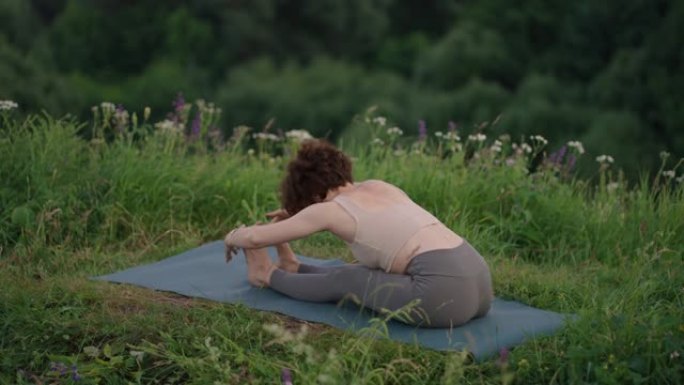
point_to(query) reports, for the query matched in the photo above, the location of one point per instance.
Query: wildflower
(540, 139)
(674, 354)
(196, 126)
(680, 179)
(169, 126)
(265, 136)
(557, 157)
(496, 147)
(669, 174)
(452, 126)
(179, 103)
(298, 135)
(377, 142)
(250, 152)
(526, 148)
(422, 130)
(146, 113)
(477, 137)
(6, 105)
(664, 155)
(577, 145)
(107, 107)
(439, 134)
(380, 121)
(604, 159)
(503, 357)
(571, 162)
(612, 186)
(524, 363)
(286, 376)
(120, 118)
(395, 131)
(451, 135)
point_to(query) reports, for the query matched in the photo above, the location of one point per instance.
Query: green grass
(72, 208)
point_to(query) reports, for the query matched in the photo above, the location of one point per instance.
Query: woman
(406, 255)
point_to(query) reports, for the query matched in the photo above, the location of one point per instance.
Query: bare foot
(289, 265)
(287, 259)
(259, 267)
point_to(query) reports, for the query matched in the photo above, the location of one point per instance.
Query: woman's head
(318, 168)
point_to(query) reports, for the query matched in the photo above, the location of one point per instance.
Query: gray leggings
(450, 286)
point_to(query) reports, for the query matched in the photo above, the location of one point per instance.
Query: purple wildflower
(503, 357)
(178, 107)
(179, 103)
(557, 157)
(572, 159)
(422, 130)
(196, 126)
(452, 126)
(286, 376)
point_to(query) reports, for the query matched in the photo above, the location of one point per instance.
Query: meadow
(85, 198)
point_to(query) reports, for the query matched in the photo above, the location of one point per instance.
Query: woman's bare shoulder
(381, 186)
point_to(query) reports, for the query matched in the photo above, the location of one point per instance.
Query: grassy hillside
(135, 192)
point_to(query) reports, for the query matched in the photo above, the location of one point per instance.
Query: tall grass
(606, 250)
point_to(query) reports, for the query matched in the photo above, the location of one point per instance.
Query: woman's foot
(259, 267)
(289, 265)
(287, 259)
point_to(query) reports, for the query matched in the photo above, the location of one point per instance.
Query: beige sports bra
(380, 234)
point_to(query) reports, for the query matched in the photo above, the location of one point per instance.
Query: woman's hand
(231, 249)
(277, 215)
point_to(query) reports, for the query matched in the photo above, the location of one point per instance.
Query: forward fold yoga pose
(406, 255)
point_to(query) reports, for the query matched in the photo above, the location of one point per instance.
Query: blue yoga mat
(202, 272)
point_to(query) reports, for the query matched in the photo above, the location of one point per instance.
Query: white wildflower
(664, 155)
(399, 153)
(380, 121)
(669, 174)
(265, 136)
(604, 159)
(451, 135)
(168, 126)
(477, 137)
(6, 105)
(439, 134)
(526, 148)
(680, 179)
(577, 145)
(298, 135)
(250, 152)
(107, 107)
(612, 186)
(456, 147)
(395, 131)
(496, 147)
(378, 142)
(540, 139)
(674, 354)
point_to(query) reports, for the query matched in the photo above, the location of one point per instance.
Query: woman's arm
(308, 221)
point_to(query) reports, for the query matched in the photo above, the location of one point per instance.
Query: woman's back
(387, 227)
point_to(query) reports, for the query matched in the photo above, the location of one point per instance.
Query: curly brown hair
(318, 167)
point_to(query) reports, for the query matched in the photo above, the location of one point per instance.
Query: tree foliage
(566, 70)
